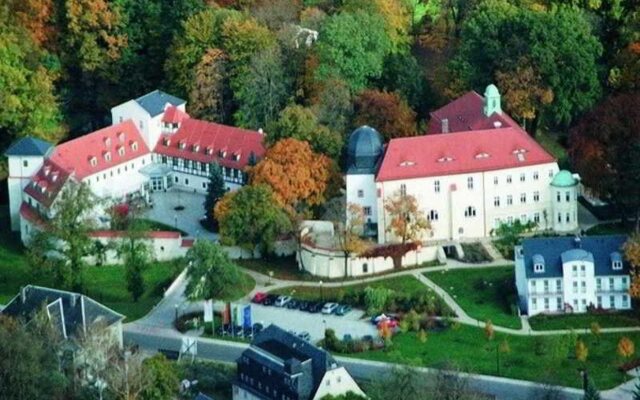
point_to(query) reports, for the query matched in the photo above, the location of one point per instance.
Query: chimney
(445, 125)
(23, 294)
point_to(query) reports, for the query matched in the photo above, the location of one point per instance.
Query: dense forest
(311, 69)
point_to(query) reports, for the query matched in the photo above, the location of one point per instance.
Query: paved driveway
(187, 219)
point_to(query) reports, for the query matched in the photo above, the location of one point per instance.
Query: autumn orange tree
(298, 176)
(387, 112)
(632, 254)
(406, 220)
(210, 97)
(626, 347)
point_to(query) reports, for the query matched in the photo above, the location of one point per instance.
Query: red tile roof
(461, 152)
(30, 214)
(102, 146)
(187, 243)
(152, 234)
(47, 182)
(210, 142)
(467, 113)
(174, 115)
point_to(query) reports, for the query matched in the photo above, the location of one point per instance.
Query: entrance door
(157, 184)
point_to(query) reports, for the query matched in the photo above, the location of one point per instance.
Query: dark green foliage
(215, 191)
(211, 273)
(403, 74)
(510, 235)
(164, 379)
(591, 393)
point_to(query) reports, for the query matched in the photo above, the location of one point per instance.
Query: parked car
(270, 300)
(305, 336)
(314, 307)
(293, 304)
(257, 328)
(303, 305)
(343, 309)
(259, 298)
(282, 301)
(329, 308)
(238, 331)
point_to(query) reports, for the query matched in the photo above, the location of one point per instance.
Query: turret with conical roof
(492, 101)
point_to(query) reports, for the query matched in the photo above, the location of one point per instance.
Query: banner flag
(247, 317)
(226, 314)
(238, 315)
(208, 311)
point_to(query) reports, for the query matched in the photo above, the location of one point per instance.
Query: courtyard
(181, 210)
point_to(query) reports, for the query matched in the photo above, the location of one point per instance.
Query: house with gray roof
(572, 274)
(279, 365)
(70, 313)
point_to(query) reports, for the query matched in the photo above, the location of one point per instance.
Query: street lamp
(585, 378)
(175, 220)
(321, 292)
(270, 276)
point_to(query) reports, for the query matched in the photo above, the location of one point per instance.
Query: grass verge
(484, 293)
(583, 321)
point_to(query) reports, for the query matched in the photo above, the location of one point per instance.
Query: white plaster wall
(336, 382)
(455, 196)
(120, 180)
(564, 207)
(367, 185)
(19, 177)
(190, 183)
(568, 281)
(330, 264)
(149, 127)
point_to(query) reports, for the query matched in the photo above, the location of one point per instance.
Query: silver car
(282, 301)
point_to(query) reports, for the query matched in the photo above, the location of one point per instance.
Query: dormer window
(445, 159)
(121, 151)
(47, 169)
(54, 177)
(236, 156)
(616, 261)
(209, 150)
(407, 163)
(196, 148)
(134, 146)
(222, 153)
(121, 137)
(93, 161)
(538, 263)
(480, 156)
(107, 142)
(167, 142)
(107, 156)
(182, 145)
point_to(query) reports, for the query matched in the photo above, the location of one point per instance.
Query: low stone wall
(331, 264)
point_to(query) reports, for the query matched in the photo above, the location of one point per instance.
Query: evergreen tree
(636, 391)
(215, 191)
(591, 393)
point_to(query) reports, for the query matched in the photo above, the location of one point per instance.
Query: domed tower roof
(364, 150)
(491, 90)
(564, 178)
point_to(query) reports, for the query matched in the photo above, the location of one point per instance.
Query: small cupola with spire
(492, 101)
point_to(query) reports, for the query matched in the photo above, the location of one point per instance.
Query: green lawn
(467, 348)
(285, 268)
(612, 228)
(583, 321)
(484, 293)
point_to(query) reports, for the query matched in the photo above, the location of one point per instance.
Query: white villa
(475, 169)
(565, 274)
(152, 145)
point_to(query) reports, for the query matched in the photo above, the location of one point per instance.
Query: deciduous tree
(211, 273)
(352, 47)
(335, 106)
(301, 123)
(210, 95)
(626, 347)
(605, 151)
(632, 255)
(406, 221)
(164, 379)
(387, 112)
(297, 175)
(251, 217)
(136, 255)
(38, 18)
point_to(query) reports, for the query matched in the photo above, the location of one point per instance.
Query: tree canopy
(211, 273)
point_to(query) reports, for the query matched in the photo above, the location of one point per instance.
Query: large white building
(153, 144)
(474, 170)
(565, 274)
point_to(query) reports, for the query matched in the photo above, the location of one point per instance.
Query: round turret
(564, 201)
(363, 151)
(564, 179)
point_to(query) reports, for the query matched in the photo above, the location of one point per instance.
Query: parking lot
(302, 321)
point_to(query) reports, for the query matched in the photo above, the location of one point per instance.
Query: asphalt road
(153, 338)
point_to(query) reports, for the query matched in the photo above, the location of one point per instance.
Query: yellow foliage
(632, 254)
(626, 347)
(582, 352)
(489, 332)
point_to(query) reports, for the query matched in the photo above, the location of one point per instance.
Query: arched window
(470, 211)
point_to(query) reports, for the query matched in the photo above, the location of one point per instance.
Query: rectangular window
(546, 303)
(598, 284)
(25, 163)
(508, 178)
(575, 287)
(534, 304)
(583, 270)
(522, 177)
(546, 286)
(496, 201)
(559, 218)
(550, 173)
(574, 271)
(583, 287)
(558, 197)
(559, 285)
(535, 175)
(523, 198)
(360, 193)
(509, 200)
(536, 196)
(567, 196)
(624, 282)
(611, 284)
(599, 301)
(612, 302)
(403, 190)
(536, 218)
(559, 303)
(495, 180)
(186, 181)
(436, 186)
(366, 210)
(625, 301)
(470, 183)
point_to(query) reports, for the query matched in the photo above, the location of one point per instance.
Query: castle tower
(26, 156)
(363, 155)
(492, 101)
(564, 201)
